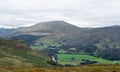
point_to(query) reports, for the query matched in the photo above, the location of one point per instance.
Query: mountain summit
(49, 27)
(43, 28)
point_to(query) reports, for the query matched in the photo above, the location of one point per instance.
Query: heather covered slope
(17, 53)
(85, 68)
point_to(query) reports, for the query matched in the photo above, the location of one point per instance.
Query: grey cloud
(83, 13)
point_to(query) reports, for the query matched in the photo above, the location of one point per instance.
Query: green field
(37, 47)
(66, 59)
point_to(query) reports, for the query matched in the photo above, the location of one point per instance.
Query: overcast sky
(83, 13)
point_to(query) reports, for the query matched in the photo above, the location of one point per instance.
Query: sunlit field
(66, 59)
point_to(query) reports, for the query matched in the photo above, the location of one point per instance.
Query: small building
(53, 59)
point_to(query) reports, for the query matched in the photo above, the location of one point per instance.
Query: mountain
(43, 28)
(100, 42)
(4, 32)
(32, 33)
(49, 27)
(53, 36)
(17, 53)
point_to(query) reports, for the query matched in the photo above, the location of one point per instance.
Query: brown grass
(86, 68)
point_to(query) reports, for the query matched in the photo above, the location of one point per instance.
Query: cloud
(83, 13)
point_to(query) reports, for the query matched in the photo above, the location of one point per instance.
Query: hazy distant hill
(4, 32)
(43, 28)
(49, 27)
(101, 42)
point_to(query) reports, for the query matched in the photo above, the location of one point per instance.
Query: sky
(82, 13)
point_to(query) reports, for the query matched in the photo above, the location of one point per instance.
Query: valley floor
(85, 68)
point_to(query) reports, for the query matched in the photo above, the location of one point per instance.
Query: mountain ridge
(62, 35)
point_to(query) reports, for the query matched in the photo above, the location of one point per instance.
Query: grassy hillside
(17, 53)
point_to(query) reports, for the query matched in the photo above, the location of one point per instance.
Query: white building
(53, 59)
